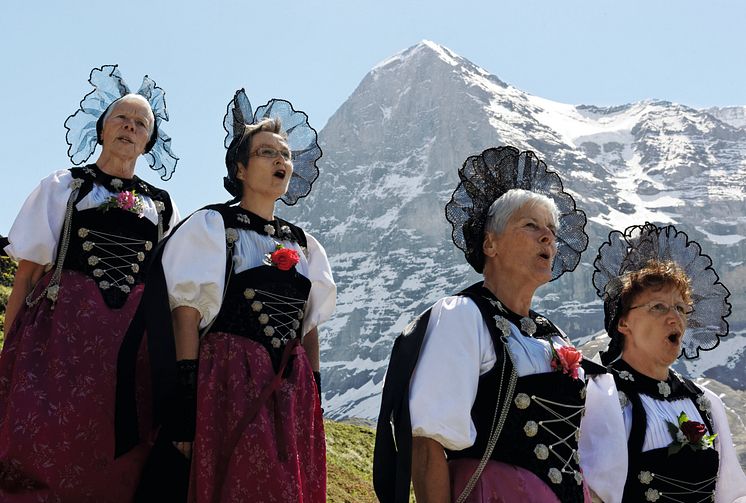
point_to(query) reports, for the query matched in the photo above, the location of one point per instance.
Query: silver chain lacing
(53, 287)
(497, 424)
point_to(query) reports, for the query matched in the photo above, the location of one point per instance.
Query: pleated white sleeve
(731, 484)
(36, 230)
(323, 297)
(457, 350)
(603, 440)
(194, 265)
(445, 380)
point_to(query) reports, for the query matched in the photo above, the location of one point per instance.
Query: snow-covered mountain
(391, 154)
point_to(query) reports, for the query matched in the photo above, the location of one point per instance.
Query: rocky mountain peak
(391, 155)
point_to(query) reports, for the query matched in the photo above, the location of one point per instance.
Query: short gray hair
(504, 206)
(113, 104)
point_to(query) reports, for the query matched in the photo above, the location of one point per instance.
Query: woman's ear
(240, 170)
(623, 326)
(489, 245)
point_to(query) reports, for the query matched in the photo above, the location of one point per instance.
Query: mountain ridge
(392, 150)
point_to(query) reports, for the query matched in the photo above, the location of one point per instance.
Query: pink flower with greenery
(126, 200)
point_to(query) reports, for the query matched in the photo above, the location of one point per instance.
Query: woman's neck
(114, 166)
(258, 205)
(517, 298)
(645, 366)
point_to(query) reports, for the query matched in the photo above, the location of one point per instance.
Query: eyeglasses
(658, 309)
(271, 153)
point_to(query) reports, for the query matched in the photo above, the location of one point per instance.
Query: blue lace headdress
(301, 138)
(630, 251)
(108, 87)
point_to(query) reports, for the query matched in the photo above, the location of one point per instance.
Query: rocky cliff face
(391, 154)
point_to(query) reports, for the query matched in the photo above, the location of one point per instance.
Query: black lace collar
(117, 184)
(533, 325)
(675, 387)
(240, 218)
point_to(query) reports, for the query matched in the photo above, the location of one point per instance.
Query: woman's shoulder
(210, 216)
(301, 236)
(55, 186)
(708, 397)
(456, 306)
(202, 221)
(61, 177)
(156, 193)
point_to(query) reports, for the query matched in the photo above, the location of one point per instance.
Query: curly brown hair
(656, 275)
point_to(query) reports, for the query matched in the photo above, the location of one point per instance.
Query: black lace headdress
(108, 87)
(301, 138)
(630, 251)
(489, 175)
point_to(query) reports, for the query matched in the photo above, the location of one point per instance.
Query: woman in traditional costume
(487, 393)
(248, 291)
(666, 438)
(83, 239)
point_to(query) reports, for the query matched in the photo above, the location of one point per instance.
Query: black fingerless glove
(317, 378)
(181, 419)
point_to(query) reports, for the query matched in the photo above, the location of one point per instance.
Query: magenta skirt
(501, 483)
(57, 381)
(279, 456)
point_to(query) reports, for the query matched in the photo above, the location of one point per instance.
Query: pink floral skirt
(57, 381)
(280, 456)
(501, 483)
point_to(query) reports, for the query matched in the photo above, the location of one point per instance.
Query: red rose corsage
(691, 433)
(282, 258)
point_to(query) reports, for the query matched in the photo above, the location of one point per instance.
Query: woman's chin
(543, 277)
(671, 355)
(126, 153)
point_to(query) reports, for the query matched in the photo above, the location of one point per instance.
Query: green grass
(7, 271)
(349, 463)
(349, 460)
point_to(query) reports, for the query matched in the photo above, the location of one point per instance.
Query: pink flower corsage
(126, 200)
(567, 360)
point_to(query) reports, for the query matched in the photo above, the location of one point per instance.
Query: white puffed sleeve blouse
(35, 233)
(194, 266)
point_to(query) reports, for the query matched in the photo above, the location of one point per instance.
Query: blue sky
(315, 53)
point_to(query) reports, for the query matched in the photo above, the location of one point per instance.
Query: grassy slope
(349, 460)
(349, 463)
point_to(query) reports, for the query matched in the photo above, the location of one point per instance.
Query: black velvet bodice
(112, 246)
(685, 476)
(541, 428)
(267, 305)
